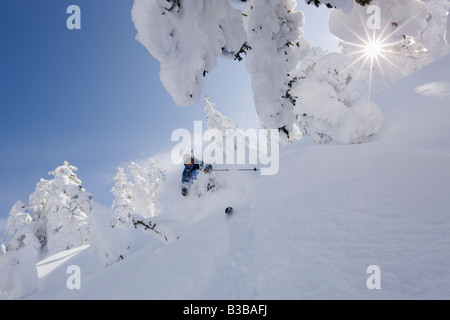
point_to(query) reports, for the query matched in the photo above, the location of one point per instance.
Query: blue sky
(93, 96)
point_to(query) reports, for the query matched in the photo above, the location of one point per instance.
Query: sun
(373, 48)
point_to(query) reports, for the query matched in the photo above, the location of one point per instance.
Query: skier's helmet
(188, 158)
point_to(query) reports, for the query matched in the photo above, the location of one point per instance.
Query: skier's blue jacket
(190, 172)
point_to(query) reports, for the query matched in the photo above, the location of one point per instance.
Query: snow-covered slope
(309, 232)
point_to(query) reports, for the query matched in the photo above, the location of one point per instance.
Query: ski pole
(246, 169)
(253, 169)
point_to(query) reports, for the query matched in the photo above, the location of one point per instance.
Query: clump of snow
(363, 119)
(396, 18)
(435, 89)
(433, 37)
(107, 240)
(18, 275)
(447, 31)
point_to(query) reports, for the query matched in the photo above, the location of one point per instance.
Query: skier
(191, 167)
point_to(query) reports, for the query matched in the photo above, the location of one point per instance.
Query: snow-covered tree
(187, 36)
(337, 91)
(136, 201)
(223, 128)
(122, 203)
(274, 31)
(138, 196)
(216, 120)
(67, 207)
(148, 183)
(55, 219)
